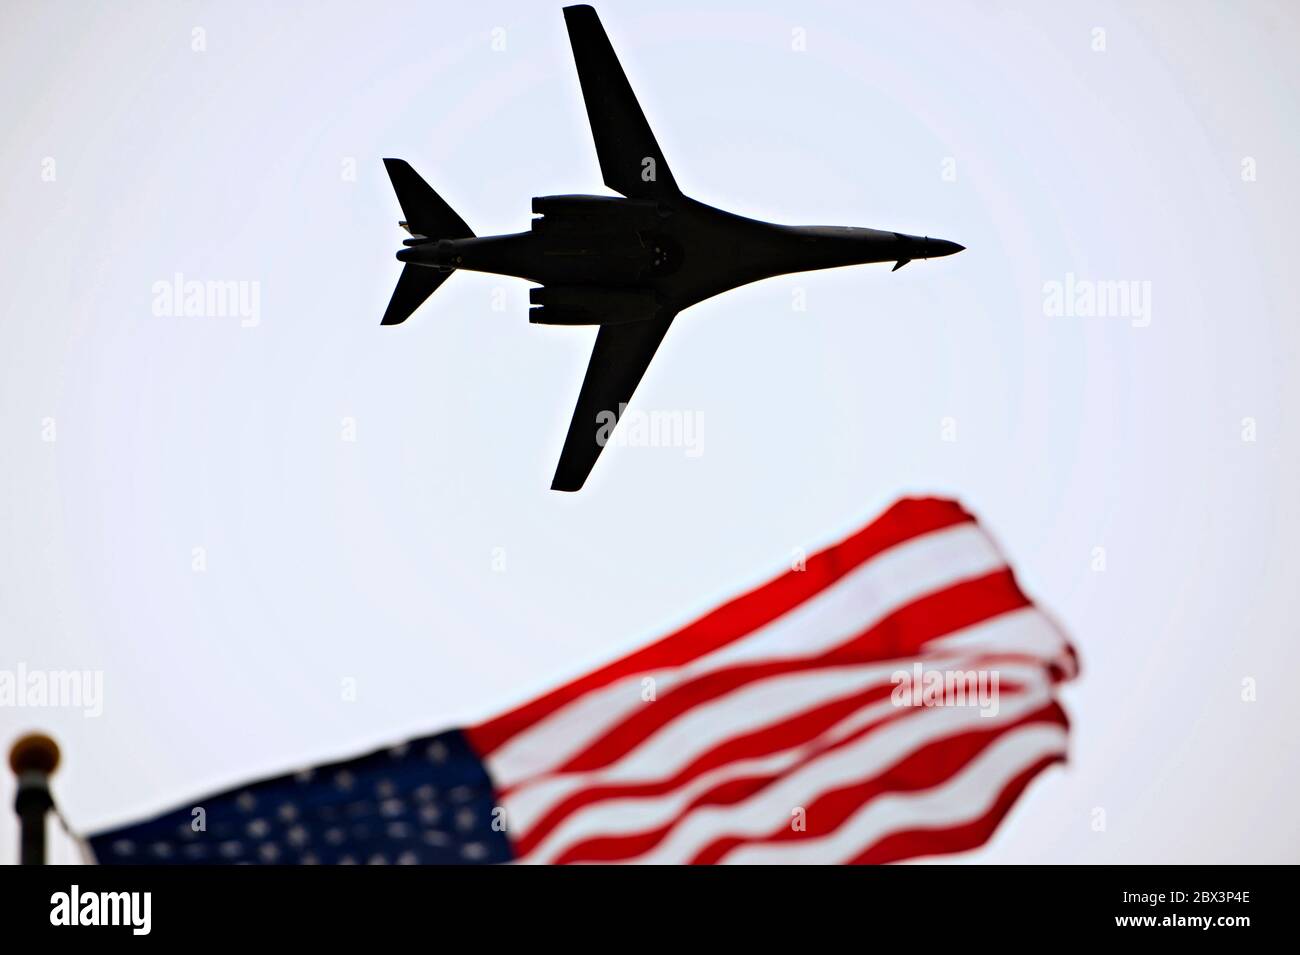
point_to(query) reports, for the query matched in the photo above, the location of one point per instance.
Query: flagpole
(33, 759)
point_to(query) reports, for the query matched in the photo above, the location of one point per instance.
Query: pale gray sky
(130, 156)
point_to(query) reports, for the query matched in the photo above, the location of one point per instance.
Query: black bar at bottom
(947, 905)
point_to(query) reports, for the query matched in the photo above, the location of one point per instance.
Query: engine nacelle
(595, 205)
(590, 305)
(596, 214)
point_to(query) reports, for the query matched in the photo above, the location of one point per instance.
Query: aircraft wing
(630, 159)
(618, 362)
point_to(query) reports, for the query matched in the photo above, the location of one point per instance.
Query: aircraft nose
(934, 248)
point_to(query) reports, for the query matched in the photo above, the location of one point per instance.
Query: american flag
(889, 698)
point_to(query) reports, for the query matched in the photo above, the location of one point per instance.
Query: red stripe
(800, 730)
(899, 635)
(909, 844)
(928, 762)
(905, 520)
(923, 768)
(906, 631)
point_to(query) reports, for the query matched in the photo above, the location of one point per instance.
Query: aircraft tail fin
(426, 212)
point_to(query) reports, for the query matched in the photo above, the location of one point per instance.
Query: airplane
(629, 265)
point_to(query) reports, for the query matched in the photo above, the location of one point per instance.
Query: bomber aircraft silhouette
(629, 265)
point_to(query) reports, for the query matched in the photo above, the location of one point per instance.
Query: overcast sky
(185, 509)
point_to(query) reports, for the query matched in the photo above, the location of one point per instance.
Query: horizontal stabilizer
(415, 285)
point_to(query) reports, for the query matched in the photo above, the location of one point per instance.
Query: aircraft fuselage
(683, 250)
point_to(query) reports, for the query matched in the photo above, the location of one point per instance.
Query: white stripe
(765, 811)
(699, 729)
(895, 578)
(963, 799)
(857, 601)
(1027, 631)
(746, 709)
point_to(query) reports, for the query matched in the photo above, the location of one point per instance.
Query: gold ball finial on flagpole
(34, 752)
